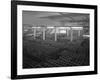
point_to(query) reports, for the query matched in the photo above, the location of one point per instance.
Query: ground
(49, 53)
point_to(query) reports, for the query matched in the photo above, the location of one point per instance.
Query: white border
(21, 71)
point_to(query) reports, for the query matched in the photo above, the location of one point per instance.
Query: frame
(74, 18)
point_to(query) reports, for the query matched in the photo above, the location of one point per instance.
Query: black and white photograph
(53, 39)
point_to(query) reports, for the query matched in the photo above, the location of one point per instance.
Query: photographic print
(53, 39)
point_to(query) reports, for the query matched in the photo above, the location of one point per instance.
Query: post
(43, 33)
(55, 34)
(34, 33)
(79, 32)
(67, 32)
(71, 39)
